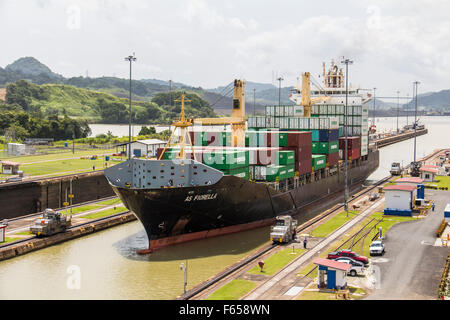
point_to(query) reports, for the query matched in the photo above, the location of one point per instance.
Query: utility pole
(170, 92)
(398, 106)
(374, 106)
(407, 95)
(416, 83)
(279, 90)
(346, 62)
(130, 59)
(254, 100)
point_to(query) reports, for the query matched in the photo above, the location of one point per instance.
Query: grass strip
(233, 290)
(277, 261)
(334, 223)
(110, 202)
(105, 213)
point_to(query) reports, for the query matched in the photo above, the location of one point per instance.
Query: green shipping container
(242, 172)
(201, 138)
(285, 157)
(282, 138)
(273, 172)
(225, 139)
(315, 147)
(226, 159)
(328, 147)
(251, 138)
(290, 172)
(319, 161)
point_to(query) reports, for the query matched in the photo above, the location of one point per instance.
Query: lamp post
(346, 62)
(254, 100)
(374, 105)
(416, 83)
(398, 106)
(183, 267)
(130, 59)
(407, 95)
(279, 90)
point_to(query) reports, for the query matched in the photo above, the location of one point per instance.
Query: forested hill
(65, 100)
(143, 90)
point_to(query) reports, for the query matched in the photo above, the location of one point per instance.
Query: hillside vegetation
(96, 106)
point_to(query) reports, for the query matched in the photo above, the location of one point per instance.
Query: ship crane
(237, 119)
(183, 124)
(306, 100)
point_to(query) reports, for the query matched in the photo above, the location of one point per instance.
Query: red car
(347, 254)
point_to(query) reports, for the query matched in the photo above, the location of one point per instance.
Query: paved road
(412, 265)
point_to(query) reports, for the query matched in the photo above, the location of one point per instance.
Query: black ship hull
(175, 215)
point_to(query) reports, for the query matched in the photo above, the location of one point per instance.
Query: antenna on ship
(183, 124)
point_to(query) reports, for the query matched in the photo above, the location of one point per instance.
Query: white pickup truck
(357, 267)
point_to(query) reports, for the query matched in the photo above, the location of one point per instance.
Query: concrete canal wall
(13, 250)
(19, 199)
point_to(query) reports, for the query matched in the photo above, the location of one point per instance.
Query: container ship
(208, 182)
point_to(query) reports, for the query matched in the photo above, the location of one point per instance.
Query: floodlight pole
(416, 83)
(346, 62)
(279, 90)
(130, 59)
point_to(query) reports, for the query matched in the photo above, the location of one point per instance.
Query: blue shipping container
(329, 135)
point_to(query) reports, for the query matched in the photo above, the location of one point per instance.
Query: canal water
(105, 265)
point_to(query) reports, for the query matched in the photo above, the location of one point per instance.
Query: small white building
(2, 233)
(428, 173)
(399, 199)
(10, 167)
(15, 149)
(144, 148)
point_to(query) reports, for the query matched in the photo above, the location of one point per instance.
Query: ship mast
(183, 124)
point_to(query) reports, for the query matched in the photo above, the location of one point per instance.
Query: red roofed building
(334, 271)
(410, 180)
(427, 173)
(399, 199)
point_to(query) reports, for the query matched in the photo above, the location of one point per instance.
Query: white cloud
(208, 43)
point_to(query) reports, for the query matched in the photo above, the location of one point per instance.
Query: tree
(147, 131)
(112, 112)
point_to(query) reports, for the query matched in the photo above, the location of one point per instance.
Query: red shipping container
(303, 166)
(191, 135)
(301, 153)
(299, 138)
(352, 143)
(352, 154)
(333, 159)
(265, 156)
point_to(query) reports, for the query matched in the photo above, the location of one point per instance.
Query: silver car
(377, 248)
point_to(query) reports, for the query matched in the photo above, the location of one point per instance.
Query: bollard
(261, 265)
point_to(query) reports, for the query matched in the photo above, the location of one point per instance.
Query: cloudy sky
(209, 43)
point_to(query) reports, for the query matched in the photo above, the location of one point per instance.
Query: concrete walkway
(280, 283)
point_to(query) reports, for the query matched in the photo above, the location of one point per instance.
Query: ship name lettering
(209, 196)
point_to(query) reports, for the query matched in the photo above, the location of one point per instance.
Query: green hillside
(96, 106)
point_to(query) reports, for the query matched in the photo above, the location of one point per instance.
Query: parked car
(346, 253)
(377, 248)
(357, 266)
